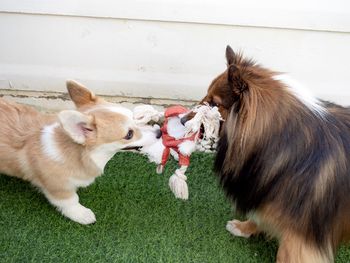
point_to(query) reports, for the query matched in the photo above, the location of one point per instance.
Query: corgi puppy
(58, 153)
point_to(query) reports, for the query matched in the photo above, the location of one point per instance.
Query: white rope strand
(210, 118)
(143, 114)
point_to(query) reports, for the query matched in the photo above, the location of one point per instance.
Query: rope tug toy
(178, 139)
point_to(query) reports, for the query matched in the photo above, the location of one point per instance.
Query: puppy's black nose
(158, 133)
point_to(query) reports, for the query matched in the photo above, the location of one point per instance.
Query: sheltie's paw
(234, 228)
(80, 214)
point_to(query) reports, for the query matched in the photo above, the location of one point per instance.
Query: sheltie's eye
(213, 104)
(129, 135)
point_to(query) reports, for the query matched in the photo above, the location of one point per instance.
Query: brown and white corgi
(59, 153)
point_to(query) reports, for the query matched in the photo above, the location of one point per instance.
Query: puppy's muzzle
(156, 133)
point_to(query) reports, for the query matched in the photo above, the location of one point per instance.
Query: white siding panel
(170, 49)
(297, 14)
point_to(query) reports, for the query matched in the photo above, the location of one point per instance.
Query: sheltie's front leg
(242, 229)
(295, 249)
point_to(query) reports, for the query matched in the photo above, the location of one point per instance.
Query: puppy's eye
(129, 135)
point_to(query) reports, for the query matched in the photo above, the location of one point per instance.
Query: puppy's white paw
(79, 214)
(231, 227)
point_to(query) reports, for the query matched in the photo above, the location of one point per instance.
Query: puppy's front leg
(68, 204)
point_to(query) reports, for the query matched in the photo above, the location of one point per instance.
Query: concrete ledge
(56, 101)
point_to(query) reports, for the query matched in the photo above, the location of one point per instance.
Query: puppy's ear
(79, 94)
(230, 56)
(236, 78)
(77, 125)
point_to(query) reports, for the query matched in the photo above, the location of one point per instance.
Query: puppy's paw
(233, 228)
(80, 214)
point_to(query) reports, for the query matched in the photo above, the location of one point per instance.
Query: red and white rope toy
(179, 140)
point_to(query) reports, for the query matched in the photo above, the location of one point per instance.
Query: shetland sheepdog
(283, 159)
(59, 153)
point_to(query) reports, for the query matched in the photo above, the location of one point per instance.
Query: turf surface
(138, 220)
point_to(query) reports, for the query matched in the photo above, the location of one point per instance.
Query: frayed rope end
(178, 185)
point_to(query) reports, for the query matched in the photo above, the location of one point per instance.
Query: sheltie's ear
(230, 56)
(237, 79)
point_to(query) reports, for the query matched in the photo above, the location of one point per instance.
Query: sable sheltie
(59, 153)
(284, 160)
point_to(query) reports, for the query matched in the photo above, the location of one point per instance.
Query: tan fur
(83, 97)
(344, 227)
(22, 151)
(20, 127)
(294, 249)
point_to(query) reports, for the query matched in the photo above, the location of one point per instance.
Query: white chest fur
(103, 153)
(81, 182)
(48, 143)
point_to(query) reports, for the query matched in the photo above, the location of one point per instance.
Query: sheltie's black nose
(187, 117)
(184, 119)
(158, 133)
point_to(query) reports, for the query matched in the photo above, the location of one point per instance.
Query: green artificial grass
(138, 220)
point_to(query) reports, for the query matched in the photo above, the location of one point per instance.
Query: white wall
(170, 49)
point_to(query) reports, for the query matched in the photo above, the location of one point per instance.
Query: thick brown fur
(59, 153)
(283, 162)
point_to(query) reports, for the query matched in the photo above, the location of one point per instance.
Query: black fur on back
(292, 183)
